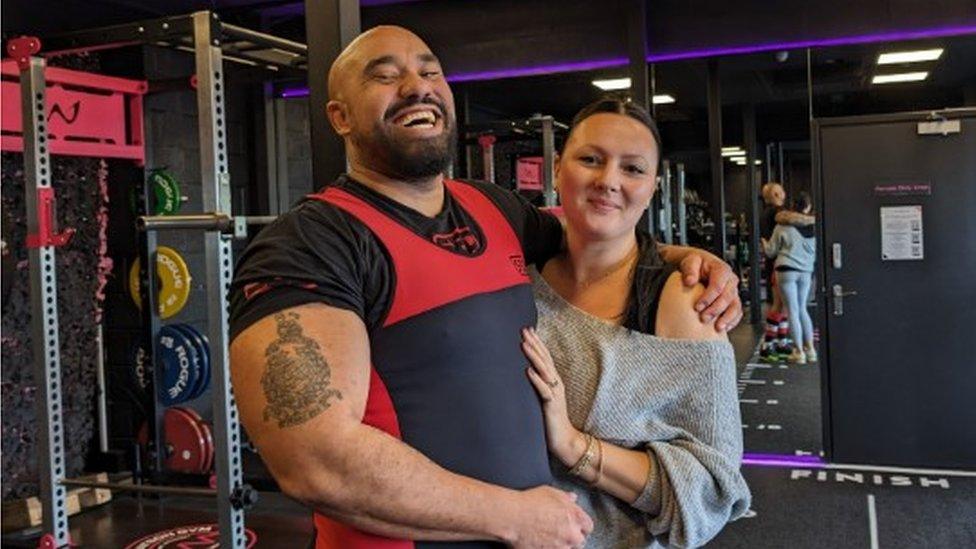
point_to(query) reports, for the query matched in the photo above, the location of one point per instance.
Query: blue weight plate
(180, 366)
(206, 348)
(191, 335)
(203, 351)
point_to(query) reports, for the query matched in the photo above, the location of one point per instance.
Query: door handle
(839, 295)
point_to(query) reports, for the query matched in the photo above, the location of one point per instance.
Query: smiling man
(376, 348)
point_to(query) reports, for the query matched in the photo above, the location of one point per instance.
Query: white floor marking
(774, 427)
(772, 401)
(783, 366)
(778, 382)
(753, 381)
(748, 401)
(909, 470)
(872, 522)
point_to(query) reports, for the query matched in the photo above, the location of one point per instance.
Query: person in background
(794, 249)
(639, 394)
(776, 342)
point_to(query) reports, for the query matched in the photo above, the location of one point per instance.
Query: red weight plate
(207, 437)
(185, 440)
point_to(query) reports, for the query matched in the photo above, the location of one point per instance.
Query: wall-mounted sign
(901, 233)
(528, 173)
(903, 189)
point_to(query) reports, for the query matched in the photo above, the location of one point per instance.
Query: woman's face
(606, 175)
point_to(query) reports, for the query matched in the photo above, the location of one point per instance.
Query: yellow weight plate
(173, 278)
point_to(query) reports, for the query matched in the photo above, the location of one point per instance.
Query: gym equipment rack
(203, 34)
(533, 128)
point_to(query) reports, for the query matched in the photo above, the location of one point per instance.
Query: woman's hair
(613, 105)
(802, 201)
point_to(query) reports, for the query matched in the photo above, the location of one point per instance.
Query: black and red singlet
(444, 300)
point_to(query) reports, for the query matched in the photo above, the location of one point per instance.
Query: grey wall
(299, 153)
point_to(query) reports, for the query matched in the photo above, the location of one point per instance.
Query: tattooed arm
(301, 379)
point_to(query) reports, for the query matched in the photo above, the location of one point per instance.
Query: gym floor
(793, 506)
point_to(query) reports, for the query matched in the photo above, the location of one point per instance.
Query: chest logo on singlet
(461, 240)
(518, 261)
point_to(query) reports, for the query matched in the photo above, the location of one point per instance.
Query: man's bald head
(390, 102)
(354, 58)
(773, 194)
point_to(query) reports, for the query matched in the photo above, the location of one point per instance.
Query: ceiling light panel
(612, 84)
(916, 56)
(900, 77)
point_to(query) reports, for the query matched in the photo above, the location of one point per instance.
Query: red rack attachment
(88, 114)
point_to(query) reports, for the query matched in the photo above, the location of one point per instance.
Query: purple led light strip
(577, 66)
(894, 36)
(782, 460)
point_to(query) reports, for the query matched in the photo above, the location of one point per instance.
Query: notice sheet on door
(901, 233)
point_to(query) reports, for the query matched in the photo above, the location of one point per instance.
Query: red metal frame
(45, 218)
(88, 114)
(22, 48)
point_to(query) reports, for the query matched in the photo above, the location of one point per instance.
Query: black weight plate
(140, 377)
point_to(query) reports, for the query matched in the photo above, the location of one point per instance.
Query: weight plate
(184, 440)
(179, 371)
(198, 365)
(167, 192)
(203, 350)
(207, 439)
(211, 450)
(173, 278)
(166, 197)
(140, 377)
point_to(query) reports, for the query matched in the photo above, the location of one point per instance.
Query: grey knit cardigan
(676, 399)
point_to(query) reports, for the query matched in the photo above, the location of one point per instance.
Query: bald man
(375, 328)
(774, 211)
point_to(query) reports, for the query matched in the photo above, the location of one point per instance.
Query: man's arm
(797, 219)
(301, 378)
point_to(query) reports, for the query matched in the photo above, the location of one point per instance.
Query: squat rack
(208, 38)
(530, 129)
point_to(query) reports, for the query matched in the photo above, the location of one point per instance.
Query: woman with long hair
(639, 394)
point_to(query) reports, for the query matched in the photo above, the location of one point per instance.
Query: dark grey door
(900, 379)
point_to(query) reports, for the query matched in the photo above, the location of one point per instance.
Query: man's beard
(413, 159)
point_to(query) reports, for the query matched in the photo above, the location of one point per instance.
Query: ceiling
(841, 78)
(489, 35)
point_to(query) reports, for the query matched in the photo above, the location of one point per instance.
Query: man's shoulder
(317, 210)
(314, 221)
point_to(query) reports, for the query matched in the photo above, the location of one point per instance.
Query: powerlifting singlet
(448, 374)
